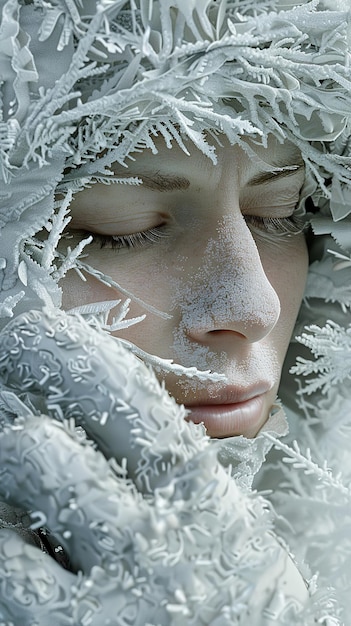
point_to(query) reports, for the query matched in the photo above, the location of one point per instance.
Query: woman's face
(210, 246)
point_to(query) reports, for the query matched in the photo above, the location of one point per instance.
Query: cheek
(77, 292)
(287, 274)
(148, 281)
(294, 281)
(137, 275)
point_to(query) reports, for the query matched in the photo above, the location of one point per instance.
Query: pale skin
(192, 241)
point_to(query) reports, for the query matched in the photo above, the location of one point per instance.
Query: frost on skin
(218, 301)
(120, 78)
(140, 527)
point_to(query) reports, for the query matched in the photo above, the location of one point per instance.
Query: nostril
(222, 332)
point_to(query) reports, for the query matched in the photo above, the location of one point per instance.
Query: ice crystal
(97, 315)
(305, 462)
(125, 73)
(167, 365)
(331, 345)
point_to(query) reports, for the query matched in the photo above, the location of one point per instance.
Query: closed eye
(131, 241)
(276, 226)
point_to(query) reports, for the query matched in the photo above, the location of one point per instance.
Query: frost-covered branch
(331, 345)
(96, 314)
(168, 366)
(305, 462)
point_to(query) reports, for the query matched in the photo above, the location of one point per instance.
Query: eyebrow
(170, 182)
(265, 177)
(161, 182)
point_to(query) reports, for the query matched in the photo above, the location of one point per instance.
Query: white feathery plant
(331, 345)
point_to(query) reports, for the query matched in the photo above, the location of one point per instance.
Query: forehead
(241, 162)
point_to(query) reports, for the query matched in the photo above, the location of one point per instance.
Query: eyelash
(275, 226)
(135, 240)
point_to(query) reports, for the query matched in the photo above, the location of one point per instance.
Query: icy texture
(161, 533)
(135, 70)
(84, 84)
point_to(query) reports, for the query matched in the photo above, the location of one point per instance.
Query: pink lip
(228, 419)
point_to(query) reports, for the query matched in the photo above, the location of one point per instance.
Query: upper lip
(230, 395)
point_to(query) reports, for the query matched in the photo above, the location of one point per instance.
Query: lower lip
(229, 420)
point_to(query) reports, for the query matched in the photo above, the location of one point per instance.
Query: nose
(230, 292)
